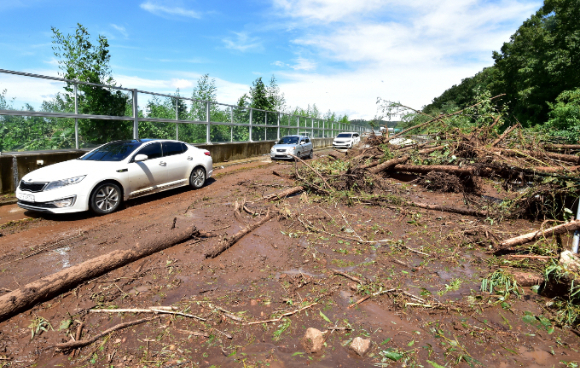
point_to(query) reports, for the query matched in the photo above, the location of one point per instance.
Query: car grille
(37, 204)
(280, 150)
(32, 186)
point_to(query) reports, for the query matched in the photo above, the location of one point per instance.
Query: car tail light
(207, 153)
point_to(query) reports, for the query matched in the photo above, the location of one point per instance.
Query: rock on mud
(569, 261)
(360, 345)
(527, 278)
(313, 340)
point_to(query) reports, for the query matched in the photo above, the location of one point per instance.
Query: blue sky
(339, 54)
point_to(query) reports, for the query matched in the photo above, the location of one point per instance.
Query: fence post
(76, 119)
(266, 127)
(251, 117)
(231, 126)
(312, 127)
(207, 125)
(135, 116)
(278, 128)
(176, 118)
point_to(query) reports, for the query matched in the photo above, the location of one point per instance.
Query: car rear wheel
(311, 155)
(197, 178)
(105, 199)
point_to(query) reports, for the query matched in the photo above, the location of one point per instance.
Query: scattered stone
(352, 286)
(360, 345)
(253, 302)
(570, 261)
(527, 278)
(313, 340)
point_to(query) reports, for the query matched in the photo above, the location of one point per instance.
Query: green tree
(82, 60)
(564, 122)
(541, 60)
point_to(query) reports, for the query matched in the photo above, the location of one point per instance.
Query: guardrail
(202, 112)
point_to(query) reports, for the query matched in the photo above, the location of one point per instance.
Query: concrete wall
(25, 162)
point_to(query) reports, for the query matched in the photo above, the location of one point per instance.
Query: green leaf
(325, 318)
(385, 341)
(298, 353)
(435, 365)
(64, 325)
(393, 355)
(411, 343)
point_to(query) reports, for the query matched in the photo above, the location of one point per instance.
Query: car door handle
(162, 163)
(190, 158)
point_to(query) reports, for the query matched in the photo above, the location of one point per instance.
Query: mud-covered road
(421, 269)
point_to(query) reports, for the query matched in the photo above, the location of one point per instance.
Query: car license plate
(25, 197)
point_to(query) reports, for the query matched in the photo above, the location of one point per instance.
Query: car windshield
(344, 135)
(288, 140)
(114, 151)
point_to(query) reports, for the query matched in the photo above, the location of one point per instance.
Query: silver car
(297, 145)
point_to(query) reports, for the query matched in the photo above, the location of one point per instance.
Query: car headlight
(64, 182)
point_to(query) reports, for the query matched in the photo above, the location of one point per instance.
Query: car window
(152, 150)
(114, 151)
(307, 140)
(288, 140)
(173, 148)
(344, 135)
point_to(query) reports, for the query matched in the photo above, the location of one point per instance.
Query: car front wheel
(105, 199)
(197, 178)
(311, 155)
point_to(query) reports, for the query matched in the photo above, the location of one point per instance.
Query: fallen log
(461, 211)
(424, 169)
(283, 194)
(554, 169)
(556, 230)
(433, 149)
(505, 134)
(224, 245)
(81, 343)
(52, 285)
(559, 147)
(388, 164)
(539, 154)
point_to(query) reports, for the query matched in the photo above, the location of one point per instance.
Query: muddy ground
(432, 261)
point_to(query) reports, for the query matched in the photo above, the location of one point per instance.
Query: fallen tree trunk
(556, 230)
(285, 193)
(223, 246)
(52, 285)
(424, 169)
(505, 134)
(561, 146)
(461, 211)
(432, 149)
(388, 164)
(539, 154)
(554, 170)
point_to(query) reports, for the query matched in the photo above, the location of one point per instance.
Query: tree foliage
(538, 64)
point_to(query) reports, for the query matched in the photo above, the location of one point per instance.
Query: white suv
(346, 140)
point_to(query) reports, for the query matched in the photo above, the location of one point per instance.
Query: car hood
(286, 146)
(69, 169)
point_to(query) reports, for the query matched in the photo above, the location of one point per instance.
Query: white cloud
(121, 30)
(327, 10)
(243, 42)
(156, 8)
(300, 64)
(409, 51)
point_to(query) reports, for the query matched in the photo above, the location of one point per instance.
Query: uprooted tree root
(450, 183)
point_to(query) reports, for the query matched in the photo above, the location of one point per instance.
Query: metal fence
(255, 124)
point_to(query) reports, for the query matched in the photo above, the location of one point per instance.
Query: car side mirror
(140, 157)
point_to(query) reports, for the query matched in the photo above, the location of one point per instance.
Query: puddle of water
(63, 253)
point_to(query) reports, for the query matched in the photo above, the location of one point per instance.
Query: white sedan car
(346, 140)
(104, 177)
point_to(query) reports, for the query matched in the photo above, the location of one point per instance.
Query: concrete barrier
(14, 165)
